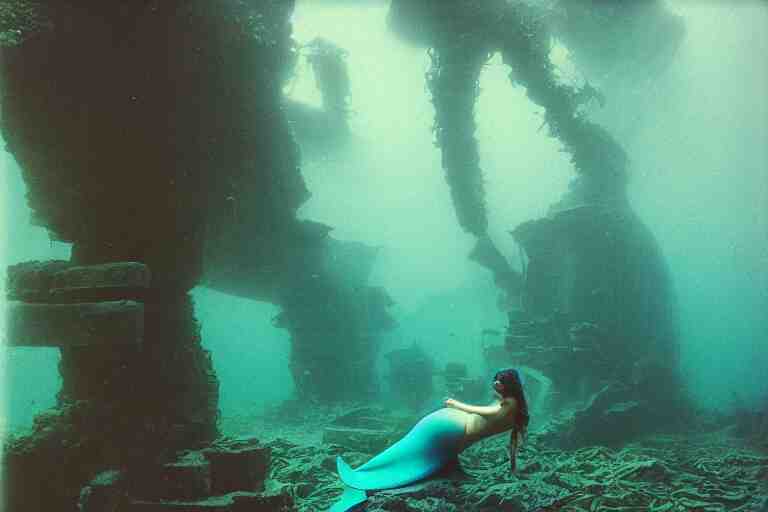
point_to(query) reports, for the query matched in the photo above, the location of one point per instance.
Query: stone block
(249, 502)
(363, 417)
(233, 502)
(238, 465)
(110, 281)
(31, 281)
(60, 281)
(70, 325)
(104, 492)
(358, 439)
(186, 479)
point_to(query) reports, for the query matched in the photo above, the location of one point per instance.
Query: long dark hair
(512, 387)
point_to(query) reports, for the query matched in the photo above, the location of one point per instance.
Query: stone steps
(227, 476)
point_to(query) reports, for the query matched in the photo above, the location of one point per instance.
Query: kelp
(453, 80)
(462, 35)
(596, 155)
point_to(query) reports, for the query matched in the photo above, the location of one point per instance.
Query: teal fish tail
(349, 500)
(431, 444)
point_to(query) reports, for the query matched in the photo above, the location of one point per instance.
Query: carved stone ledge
(109, 278)
(70, 325)
(59, 281)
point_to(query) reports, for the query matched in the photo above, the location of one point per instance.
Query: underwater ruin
(157, 139)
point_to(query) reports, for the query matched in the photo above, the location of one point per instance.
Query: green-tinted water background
(697, 139)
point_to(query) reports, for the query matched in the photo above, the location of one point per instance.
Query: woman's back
(482, 426)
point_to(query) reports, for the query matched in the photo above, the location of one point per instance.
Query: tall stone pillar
(133, 123)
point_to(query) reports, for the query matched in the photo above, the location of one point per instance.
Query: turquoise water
(699, 182)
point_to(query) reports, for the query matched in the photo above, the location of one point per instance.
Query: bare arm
(497, 409)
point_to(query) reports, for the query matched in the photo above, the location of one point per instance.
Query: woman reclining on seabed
(436, 441)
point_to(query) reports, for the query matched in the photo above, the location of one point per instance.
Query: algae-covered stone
(360, 439)
(19, 19)
(104, 492)
(233, 502)
(100, 282)
(238, 465)
(30, 281)
(188, 478)
(109, 323)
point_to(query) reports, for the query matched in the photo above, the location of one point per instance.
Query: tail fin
(346, 473)
(349, 500)
(351, 496)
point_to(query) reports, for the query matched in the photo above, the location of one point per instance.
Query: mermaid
(436, 441)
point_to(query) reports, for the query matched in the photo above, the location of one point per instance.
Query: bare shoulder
(508, 403)
(509, 400)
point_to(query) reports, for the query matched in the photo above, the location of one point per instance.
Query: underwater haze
(700, 180)
(695, 133)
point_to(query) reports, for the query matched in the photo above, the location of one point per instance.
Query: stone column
(133, 123)
(136, 384)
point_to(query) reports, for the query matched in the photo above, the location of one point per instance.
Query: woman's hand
(450, 402)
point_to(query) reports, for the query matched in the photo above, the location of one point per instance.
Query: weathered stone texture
(72, 325)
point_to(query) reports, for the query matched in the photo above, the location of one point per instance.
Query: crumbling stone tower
(133, 123)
